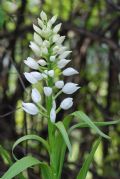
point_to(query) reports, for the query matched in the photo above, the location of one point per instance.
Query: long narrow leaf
(64, 134)
(100, 124)
(83, 117)
(20, 166)
(83, 172)
(30, 137)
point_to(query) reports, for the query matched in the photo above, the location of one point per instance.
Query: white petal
(44, 50)
(62, 63)
(37, 39)
(36, 97)
(36, 75)
(69, 71)
(61, 39)
(70, 88)
(43, 16)
(30, 78)
(57, 28)
(66, 103)
(59, 84)
(42, 62)
(51, 73)
(56, 49)
(47, 91)
(37, 29)
(30, 108)
(46, 43)
(53, 19)
(64, 54)
(31, 63)
(52, 115)
(35, 48)
(52, 58)
(44, 75)
(55, 37)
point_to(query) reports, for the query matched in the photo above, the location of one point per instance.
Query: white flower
(44, 50)
(61, 50)
(42, 62)
(43, 16)
(35, 48)
(57, 28)
(53, 19)
(30, 108)
(31, 63)
(46, 43)
(36, 75)
(36, 97)
(59, 84)
(66, 103)
(51, 73)
(69, 71)
(47, 91)
(44, 75)
(70, 88)
(61, 39)
(62, 63)
(64, 54)
(37, 29)
(52, 58)
(55, 49)
(38, 39)
(52, 115)
(30, 78)
(40, 23)
(55, 37)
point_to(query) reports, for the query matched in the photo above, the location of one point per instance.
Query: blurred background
(92, 28)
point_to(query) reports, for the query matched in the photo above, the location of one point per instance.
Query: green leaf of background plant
(30, 137)
(83, 171)
(5, 155)
(82, 116)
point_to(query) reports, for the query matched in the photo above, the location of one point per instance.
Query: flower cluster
(49, 64)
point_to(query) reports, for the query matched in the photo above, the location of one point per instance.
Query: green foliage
(83, 171)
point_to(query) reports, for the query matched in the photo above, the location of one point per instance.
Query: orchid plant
(49, 67)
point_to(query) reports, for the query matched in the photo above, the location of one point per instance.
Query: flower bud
(36, 97)
(57, 28)
(38, 39)
(66, 103)
(69, 71)
(30, 78)
(51, 73)
(70, 88)
(53, 115)
(30, 108)
(36, 75)
(31, 63)
(37, 29)
(55, 49)
(43, 16)
(52, 58)
(62, 63)
(64, 54)
(44, 75)
(35, 48)
(47, 91)
(40, 23)
(59, 84)
(42, 62)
